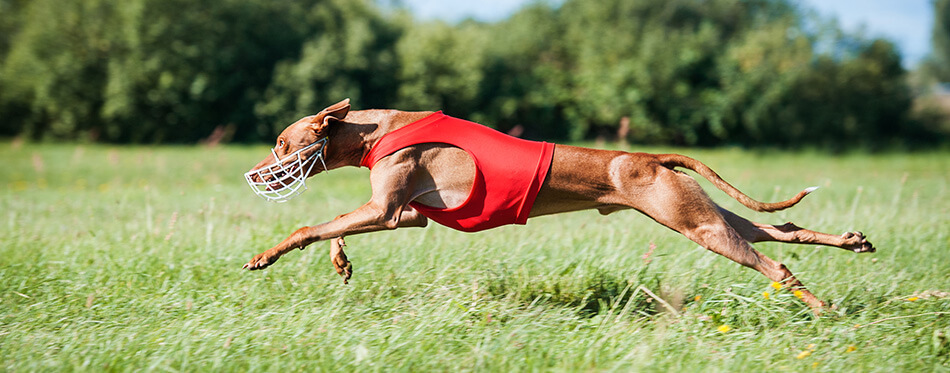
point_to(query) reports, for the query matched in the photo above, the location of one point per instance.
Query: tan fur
(439, 175)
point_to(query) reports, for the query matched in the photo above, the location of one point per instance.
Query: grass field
(129, 259)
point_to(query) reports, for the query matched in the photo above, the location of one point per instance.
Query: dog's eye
(280, 143)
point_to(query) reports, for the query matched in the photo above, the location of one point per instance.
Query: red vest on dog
(508, 170)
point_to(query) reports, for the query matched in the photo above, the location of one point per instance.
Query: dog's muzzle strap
(285, 178)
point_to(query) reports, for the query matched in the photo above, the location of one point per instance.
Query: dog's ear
(335, 112)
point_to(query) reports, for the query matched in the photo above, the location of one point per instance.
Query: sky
(905, 22)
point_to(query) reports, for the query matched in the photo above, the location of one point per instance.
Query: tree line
(680, 72)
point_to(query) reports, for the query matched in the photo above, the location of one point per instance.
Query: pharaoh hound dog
(427, 165)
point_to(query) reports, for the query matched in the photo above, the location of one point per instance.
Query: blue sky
(906, 22)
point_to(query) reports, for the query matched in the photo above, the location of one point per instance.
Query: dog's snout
(279, 178)
(254, 177)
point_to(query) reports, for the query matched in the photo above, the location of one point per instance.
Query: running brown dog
(436, 175)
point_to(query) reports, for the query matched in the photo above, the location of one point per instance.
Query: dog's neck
(353, 137)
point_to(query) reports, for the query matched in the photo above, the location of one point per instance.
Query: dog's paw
(345, 270)
(855, 241)
(342, 266)
(260, 261)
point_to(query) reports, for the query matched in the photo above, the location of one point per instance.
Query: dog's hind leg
(791, 233)
(723, 240)
(677, 201)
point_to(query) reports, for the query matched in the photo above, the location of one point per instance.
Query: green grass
(129, 259)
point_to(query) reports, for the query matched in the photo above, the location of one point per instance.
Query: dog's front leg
(410, 218)
(392, 188)
(363, 220)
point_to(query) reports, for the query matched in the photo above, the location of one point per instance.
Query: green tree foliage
(932, 107)
(147, 70)
(662, 63)
(938, 63)
(686, 72)
(526, 76)
(349, 51)
(187, 66)
(870, 106)
(11, 111)
(712, 72)
(55, 68)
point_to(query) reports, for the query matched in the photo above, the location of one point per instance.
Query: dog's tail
(676, 160)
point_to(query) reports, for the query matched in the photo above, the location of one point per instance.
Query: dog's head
(281, 174)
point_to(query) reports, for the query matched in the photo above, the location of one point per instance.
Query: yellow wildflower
(765, 294)
(799, 294)
(776, 285)
(851, 348)
(19, 185)
(723, 328)
(803, 354)
(911, 299)
(697, 298)
(812, 347)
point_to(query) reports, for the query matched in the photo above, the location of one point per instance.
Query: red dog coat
(508, 170)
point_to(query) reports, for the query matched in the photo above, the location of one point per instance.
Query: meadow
(129, 259)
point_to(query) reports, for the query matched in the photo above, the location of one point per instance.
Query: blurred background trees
(937, 66)
(683, 72)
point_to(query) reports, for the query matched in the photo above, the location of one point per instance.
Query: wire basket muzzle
(285, 178)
